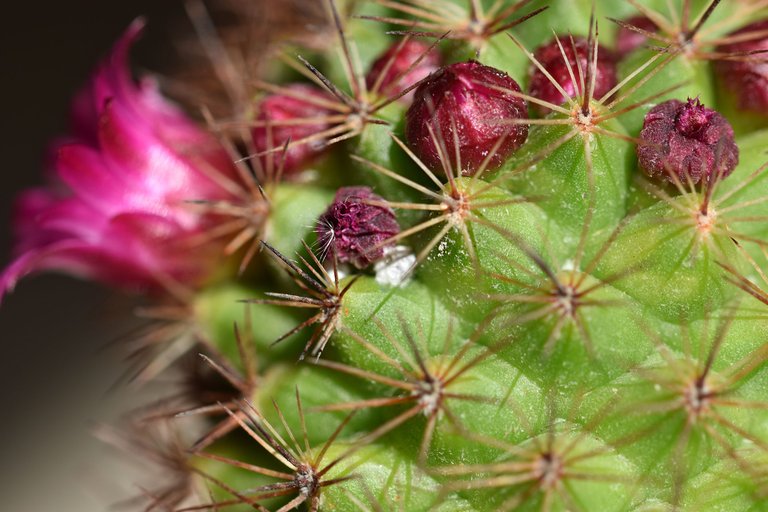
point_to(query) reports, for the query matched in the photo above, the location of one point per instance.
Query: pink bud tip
(747, 77)
(294, 115)
(628, 40)
(565, 70)
(686, 141)
(693, 118)
(354, 230)
(464, 106)
(401, 66)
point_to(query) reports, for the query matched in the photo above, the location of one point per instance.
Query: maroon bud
(551, 58)
(687, 139)
(355, 230)
(747, 78)
(628, 40)
(398, 69)
(296, 114)
(476, 100)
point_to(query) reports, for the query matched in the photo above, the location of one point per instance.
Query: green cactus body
(605, 183)
(541, 348)
(551, 331)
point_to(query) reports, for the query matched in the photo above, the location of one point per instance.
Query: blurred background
(55, 377)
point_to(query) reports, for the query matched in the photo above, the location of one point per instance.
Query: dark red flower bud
(297, 113)
(476, 100)
(628, 40)
(551, 58)
(687, 139)
(394, 71)
(353, 229)
(747, 77)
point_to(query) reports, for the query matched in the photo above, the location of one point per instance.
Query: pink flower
(117, 211)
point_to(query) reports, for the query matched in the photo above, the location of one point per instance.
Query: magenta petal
(135, 251)
(75, 258)
(87, 173)
(150, 167)
(71, 218)
(158, 244)
(170, 123)
(142, 231)
(28, 206)
(132, 146)
(39, 222)
(112, 78)
(27, 263)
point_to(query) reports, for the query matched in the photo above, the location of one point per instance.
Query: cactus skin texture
(537, 326)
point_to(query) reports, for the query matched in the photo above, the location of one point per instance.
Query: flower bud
(551, 58)
(686, 141)
(295, 115)
(395, 65)
(465, 105)
(354, 230)
(747, 77)
(628, 40)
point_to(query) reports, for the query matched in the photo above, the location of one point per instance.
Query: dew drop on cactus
(357, 227)
(295, 116)
(457, 116)
(746, 78)
(562, 58)
(401, 66)
(686, 141)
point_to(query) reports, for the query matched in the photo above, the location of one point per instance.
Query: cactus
(457, 255)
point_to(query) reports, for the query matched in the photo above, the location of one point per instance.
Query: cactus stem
(551, 330)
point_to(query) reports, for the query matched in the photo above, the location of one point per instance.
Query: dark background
(54, 379)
